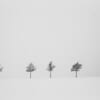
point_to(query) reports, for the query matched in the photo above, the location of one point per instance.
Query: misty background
(40, 31)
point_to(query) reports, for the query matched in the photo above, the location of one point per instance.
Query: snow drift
(50, 89)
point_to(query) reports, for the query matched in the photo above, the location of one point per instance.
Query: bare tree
(76, 67)
(50, 68)
(30, 68)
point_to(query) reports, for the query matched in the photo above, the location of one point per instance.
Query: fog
(40, 31)
(66, 89)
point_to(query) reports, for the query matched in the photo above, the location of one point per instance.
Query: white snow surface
(50, 89)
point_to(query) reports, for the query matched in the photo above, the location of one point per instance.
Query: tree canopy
(30, 68)
(76, 67)
(51, 66)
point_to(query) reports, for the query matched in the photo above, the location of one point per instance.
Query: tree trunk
(30, 75)
(76, 74)
(50, 74)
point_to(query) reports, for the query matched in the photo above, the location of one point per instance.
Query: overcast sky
(39, 31)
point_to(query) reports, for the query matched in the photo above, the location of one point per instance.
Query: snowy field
(54, 89)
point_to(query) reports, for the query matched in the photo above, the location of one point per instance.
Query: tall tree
(30, 68)
(50, 68)
(76, 67)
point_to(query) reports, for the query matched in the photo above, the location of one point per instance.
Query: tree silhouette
(50, 68)
(1, 68)
(76, 67)
(30, 68)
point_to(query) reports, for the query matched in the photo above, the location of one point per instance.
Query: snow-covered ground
(54, 89)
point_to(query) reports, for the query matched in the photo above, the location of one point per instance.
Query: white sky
(39, 31)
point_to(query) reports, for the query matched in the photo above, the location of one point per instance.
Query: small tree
(50, 68)
(76, 67)
(30, 68)
(1, 68)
